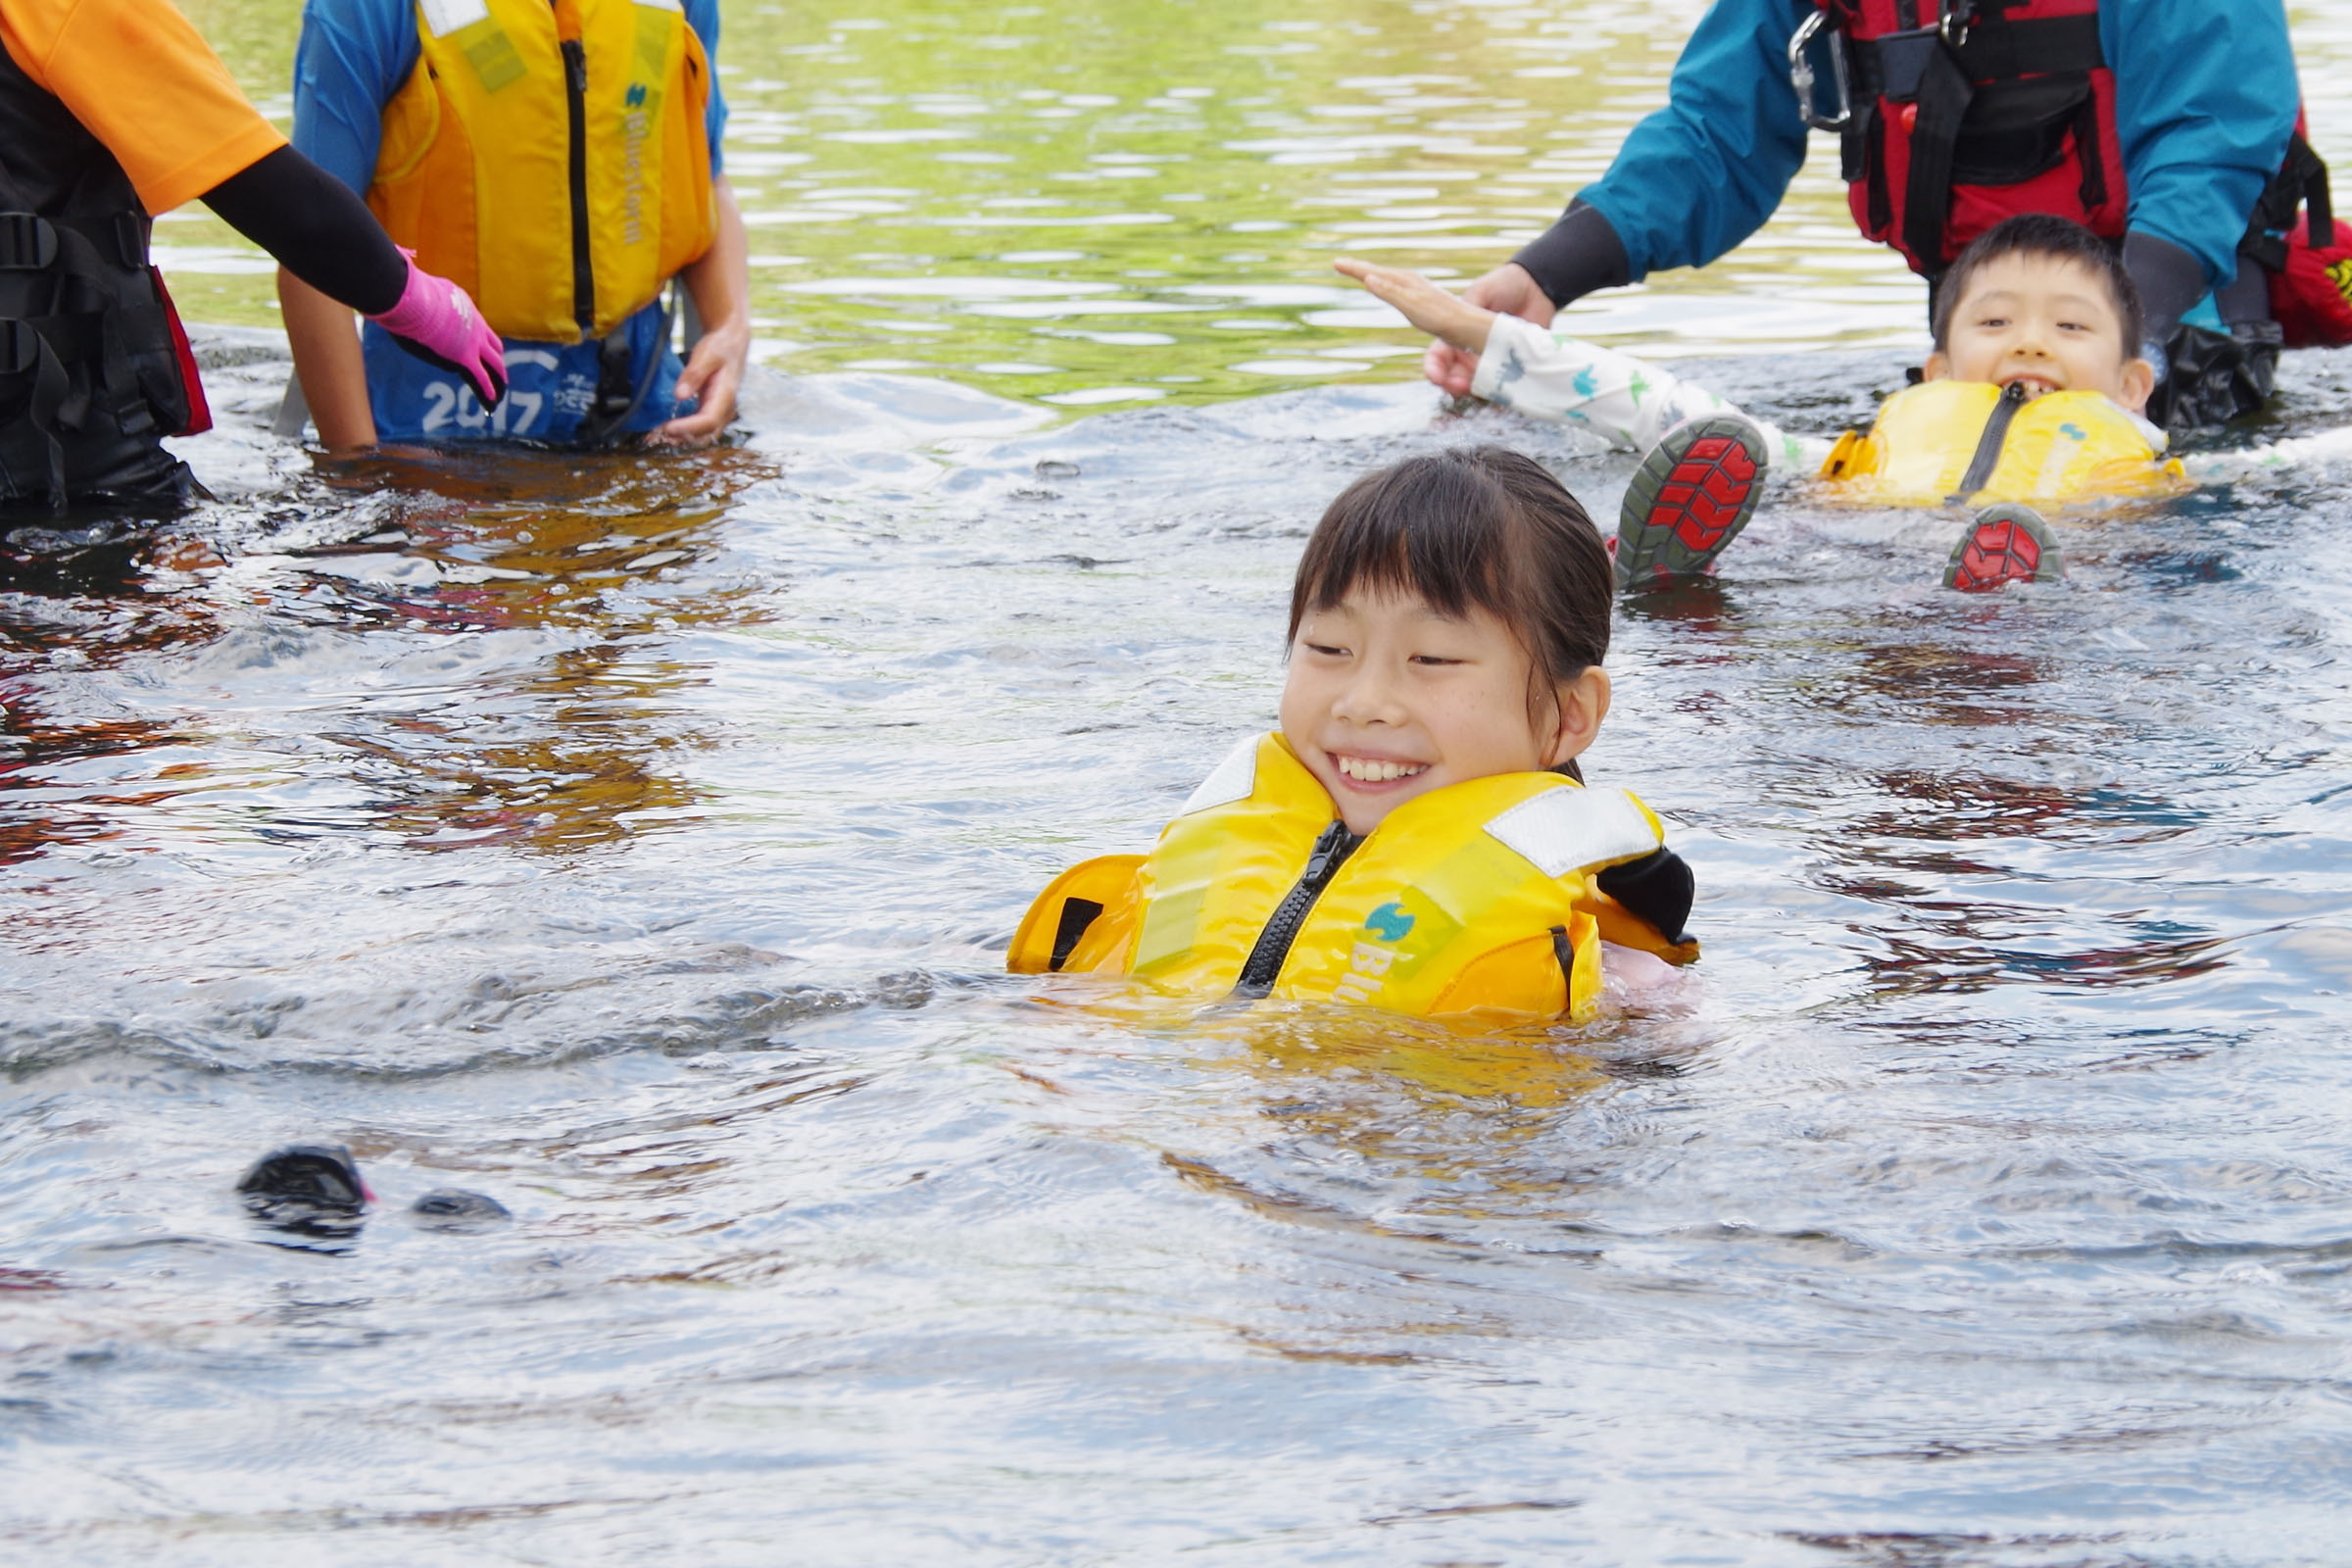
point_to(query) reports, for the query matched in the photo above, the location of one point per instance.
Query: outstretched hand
(1445, 317)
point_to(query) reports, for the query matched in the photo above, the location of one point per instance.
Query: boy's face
(2044, 323)
(1386, 699)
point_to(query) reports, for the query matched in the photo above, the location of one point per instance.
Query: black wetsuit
(90, 375)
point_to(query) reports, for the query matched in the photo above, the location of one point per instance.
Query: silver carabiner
(1800, 75)
(1963, 12)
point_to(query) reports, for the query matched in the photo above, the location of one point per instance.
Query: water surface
(636, 841)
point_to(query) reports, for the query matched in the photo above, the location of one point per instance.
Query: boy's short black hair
(2039, 234)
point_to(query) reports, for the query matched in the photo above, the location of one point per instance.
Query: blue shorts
(550, 389)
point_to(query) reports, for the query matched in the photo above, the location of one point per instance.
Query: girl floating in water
(1416, 835)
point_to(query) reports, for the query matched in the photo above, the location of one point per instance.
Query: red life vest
(1965, 112)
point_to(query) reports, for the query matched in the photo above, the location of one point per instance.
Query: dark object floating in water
(453, 1209)
(307, 1189)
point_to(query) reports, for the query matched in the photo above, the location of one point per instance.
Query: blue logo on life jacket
(1390, 921)
(636, 95)
(2075, 430)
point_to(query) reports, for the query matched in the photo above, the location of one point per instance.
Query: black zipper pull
(1332, 848)
(575, 66)
(1327, 845)
(1989, 444)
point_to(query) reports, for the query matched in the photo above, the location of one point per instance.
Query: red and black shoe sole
(2003, 545)
(1690, 499)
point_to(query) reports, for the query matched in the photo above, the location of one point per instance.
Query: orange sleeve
(144, 81)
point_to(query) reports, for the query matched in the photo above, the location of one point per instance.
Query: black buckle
(27, 244)
(130, 239)
(1902, 59)
(20, 346)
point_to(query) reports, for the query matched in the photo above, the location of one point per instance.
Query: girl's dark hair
(2039, 236)
(1478, 527)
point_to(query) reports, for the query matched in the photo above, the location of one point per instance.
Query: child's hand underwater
(1445, 317)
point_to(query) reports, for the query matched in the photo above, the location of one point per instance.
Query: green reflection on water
(1136, 200)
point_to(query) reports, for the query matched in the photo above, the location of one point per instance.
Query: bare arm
(327, 357)
(721, 286)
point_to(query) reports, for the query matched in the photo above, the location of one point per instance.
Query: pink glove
(435, 321)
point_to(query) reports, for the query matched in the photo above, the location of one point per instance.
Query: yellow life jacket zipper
(583, 274)
(1989, 444)
(1331, 851)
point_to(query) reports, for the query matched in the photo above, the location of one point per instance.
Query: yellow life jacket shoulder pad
(1474, 898)
(1962, 441)
(550, 158)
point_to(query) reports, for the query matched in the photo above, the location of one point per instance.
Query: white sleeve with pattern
(1625, 401)
(2323, 445)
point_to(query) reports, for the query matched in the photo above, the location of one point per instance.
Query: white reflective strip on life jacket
(1565, 829)
(445, 17)
(1234, 779)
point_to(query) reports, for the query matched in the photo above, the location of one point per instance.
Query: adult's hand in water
(713, 375)
(436, 321)
(1443, 315)
(1508, 290)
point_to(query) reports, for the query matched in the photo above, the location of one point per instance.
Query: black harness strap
(1563, 954)
(1944, 93)
(1997, 50)
(30, 426)
(1918, 65)
(2301, 183)
(2003, 50)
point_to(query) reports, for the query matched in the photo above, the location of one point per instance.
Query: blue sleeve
(353, 55)
(2205, 98)
(702, 17)
(1705, 171)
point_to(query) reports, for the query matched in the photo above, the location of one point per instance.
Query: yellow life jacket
(1474, 898)
(1966, 441)
(550, 158)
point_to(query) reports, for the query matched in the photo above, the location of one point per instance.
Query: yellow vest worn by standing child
(550, 158)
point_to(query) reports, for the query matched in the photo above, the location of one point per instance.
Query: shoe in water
(2004, 544)
(455, 1210)
(1690, 498)
(307, 1189)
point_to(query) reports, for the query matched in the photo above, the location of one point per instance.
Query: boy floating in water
(1410, 837)
(2032, 396)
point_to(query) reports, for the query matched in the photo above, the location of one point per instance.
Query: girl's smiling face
(1386, 699)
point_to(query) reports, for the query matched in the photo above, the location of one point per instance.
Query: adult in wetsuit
(110, 111)
(2200, 99)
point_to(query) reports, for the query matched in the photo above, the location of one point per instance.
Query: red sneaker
(1690, 498)
(2005, 544)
